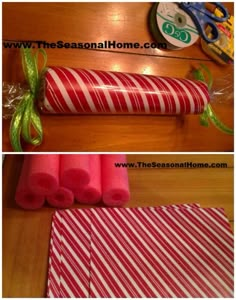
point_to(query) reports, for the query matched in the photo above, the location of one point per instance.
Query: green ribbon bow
(208, 113)
(26, 115)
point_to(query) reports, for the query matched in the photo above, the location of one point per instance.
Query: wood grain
(26, 234)
(79, 21)
(87, 22)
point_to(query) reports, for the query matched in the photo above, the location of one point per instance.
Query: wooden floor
(26, 234)
(122, 22)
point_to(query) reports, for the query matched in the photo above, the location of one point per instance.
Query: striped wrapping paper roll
(78, 91)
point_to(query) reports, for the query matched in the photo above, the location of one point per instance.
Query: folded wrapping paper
(141, 252)
(115, 181)
(24, 197)
(92, 192)
(78, 91)
(74, 170)
(43, 173)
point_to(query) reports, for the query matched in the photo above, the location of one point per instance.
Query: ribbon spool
(171, 25)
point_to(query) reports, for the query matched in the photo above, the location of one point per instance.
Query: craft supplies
(171, 25)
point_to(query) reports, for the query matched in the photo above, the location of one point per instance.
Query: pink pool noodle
(115, 183)
(44, 173)
(74, 170)
(24, 197)
(62, 198)
(91, 193)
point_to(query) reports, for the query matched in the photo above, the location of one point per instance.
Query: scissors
(203, 17)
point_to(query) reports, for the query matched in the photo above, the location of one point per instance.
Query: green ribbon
(26, 115)
(208, 113)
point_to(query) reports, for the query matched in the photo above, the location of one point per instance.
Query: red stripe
(153, 101)
(50, 94)
(95, 85)
(114, 90)
(181, 276)
(57, 92)
(116, 252)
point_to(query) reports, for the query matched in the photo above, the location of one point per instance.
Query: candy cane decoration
(79, 91)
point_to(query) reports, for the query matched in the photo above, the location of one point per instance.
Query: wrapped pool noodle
(43, 171)
(24, 196)
(92, 192)
(115, 183)
(79, 91)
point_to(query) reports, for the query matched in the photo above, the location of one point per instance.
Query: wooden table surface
(123, 22)
(26, 234)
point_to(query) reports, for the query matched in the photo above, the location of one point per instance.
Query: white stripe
(125, 253)
(208, 240)
(200, 91)
(84, 89)
(93, 86)
(184, 257)
(107, 266)
(86, 213)
(212, 231)
(140, 255)
(131, 89)
(72, 87)
(188, 93)
(63, 91)
(75, 256)
(173, 93)
(167, 254)
(148, 92)
(87, 234)
(80, 244)
(54, 97)
(141, 91)
(221, 214)
(157, 92)
(55, 276)
(57, 254)
(77, 279)
(124, 91)
(50, 294)
(205, 250)
(96, 281)
(218, 224)
(93, 283)
(167, 94)
(47, 105)
(64, 284)
(114, 89)
(100, 276)
(105, 91)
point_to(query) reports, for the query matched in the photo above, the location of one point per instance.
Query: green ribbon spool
(208, 113)
(26, 115)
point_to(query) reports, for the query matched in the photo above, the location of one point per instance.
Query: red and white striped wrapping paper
(60, 285)
(79, 91)
(144, 252)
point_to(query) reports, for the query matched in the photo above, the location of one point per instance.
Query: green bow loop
(208, 113)
(26, 115)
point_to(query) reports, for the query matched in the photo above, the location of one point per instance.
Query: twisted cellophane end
(221, 88)
(12, 94)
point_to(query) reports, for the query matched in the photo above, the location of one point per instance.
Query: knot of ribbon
(26, 115)
(208, 113)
